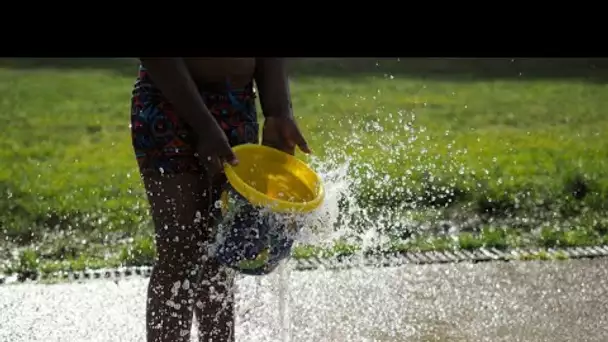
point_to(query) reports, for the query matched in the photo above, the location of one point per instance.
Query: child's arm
(280, 129)
(273, 87)
(172, 77)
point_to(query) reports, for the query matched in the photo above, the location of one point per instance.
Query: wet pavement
(515, 301)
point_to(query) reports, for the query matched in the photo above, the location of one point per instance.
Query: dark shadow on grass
(450, 69)
(121, 66)
(457, 69)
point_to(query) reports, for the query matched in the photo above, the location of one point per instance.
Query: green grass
(514, 153)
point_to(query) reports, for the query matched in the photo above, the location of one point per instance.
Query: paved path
(518, 301)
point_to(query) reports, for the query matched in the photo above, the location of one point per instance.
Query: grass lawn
(508, 152)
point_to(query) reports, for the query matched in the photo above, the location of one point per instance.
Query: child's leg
(214, 307)
(180, 199)
(179, 206)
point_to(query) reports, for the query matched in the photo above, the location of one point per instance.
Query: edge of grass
(30, 263)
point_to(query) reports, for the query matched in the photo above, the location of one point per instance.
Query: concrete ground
(516, 301)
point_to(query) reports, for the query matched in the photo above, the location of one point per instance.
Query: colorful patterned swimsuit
(165, 143)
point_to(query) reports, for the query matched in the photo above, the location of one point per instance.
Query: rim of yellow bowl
(258, 198)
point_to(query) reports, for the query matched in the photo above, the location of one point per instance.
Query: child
(186, 114)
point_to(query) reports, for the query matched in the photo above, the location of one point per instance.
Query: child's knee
(179, 260)
(215, 278)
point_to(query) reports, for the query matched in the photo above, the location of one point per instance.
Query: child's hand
(283, 133)
(213, 149)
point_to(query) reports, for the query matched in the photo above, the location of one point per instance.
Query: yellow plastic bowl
(267, 177)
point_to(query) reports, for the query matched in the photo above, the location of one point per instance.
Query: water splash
(322, 226)
(352, 183)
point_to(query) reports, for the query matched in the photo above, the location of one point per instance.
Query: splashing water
(316, 229)
(284, 315)
(399, 210)
(342, 217)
